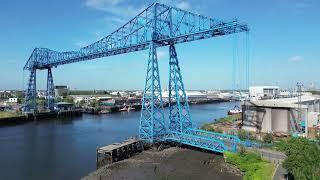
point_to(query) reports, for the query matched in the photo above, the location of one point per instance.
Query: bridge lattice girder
(158, 22)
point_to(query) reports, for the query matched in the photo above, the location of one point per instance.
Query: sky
(284, 43)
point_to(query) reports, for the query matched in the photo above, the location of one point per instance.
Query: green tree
(218, 130)
(268, 138)
(303, 158)
(82, 102)
(68, 99)
(58, 99)
(242, 134)
(252, 136)
(19, 95)
(94, 103)
(64, 94)
(242, 151)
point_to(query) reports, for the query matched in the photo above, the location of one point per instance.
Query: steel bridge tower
(50, 92)
(30, 104)
(179, 113)
(152, 121)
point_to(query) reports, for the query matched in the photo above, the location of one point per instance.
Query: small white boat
(124, 109)
(131, 108)
(235, 110)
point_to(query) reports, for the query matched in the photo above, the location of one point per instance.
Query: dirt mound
(171, 163)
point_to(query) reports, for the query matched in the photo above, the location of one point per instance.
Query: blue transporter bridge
(157, 26)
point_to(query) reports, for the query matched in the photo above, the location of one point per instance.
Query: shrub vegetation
(303, 158)
(251, 164)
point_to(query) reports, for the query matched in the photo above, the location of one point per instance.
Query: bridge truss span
(160, 23)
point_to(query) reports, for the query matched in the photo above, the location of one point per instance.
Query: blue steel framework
(156, 26)
(31, 94)
(179, 113)
(50, 91)
(152, 121)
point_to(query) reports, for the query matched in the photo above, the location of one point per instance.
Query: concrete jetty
(118, 151)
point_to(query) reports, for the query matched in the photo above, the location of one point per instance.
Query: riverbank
(224, 124)
(16, 119)
(9, 114)
(170, 163)
(136, 106)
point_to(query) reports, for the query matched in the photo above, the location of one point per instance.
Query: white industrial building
(13, 100)
(79, 98)
(280, 115)
(263, 92)
(87, 98)
(192, 95)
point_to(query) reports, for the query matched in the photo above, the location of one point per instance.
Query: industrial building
(283, 115)
(263, 92)
(87, 98)
(60, 91)
(13, 100)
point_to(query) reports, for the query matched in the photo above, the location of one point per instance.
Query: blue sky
(284, 43)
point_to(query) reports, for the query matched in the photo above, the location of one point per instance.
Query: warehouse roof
(285, 102)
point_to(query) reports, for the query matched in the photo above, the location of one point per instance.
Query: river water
(65, 149)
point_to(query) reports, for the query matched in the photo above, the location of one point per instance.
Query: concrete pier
(118, 151)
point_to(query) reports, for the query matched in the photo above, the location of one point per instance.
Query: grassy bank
(8, 114)
(229, 118)
(211, 126)
(252, 165)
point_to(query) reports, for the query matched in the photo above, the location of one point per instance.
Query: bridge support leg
(50, 91)
(30, 104)
(179, 115)
(152, 122)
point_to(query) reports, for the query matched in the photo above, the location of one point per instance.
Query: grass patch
(210, 127)
(8, 114)
(229, 118)
(252, 165)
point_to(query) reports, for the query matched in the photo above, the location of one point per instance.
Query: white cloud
(302, 4)
(296, 59)
(160, 55)
(102, 4)
(296, 6)
(119, 10)
(183, 5)
(80, 44)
